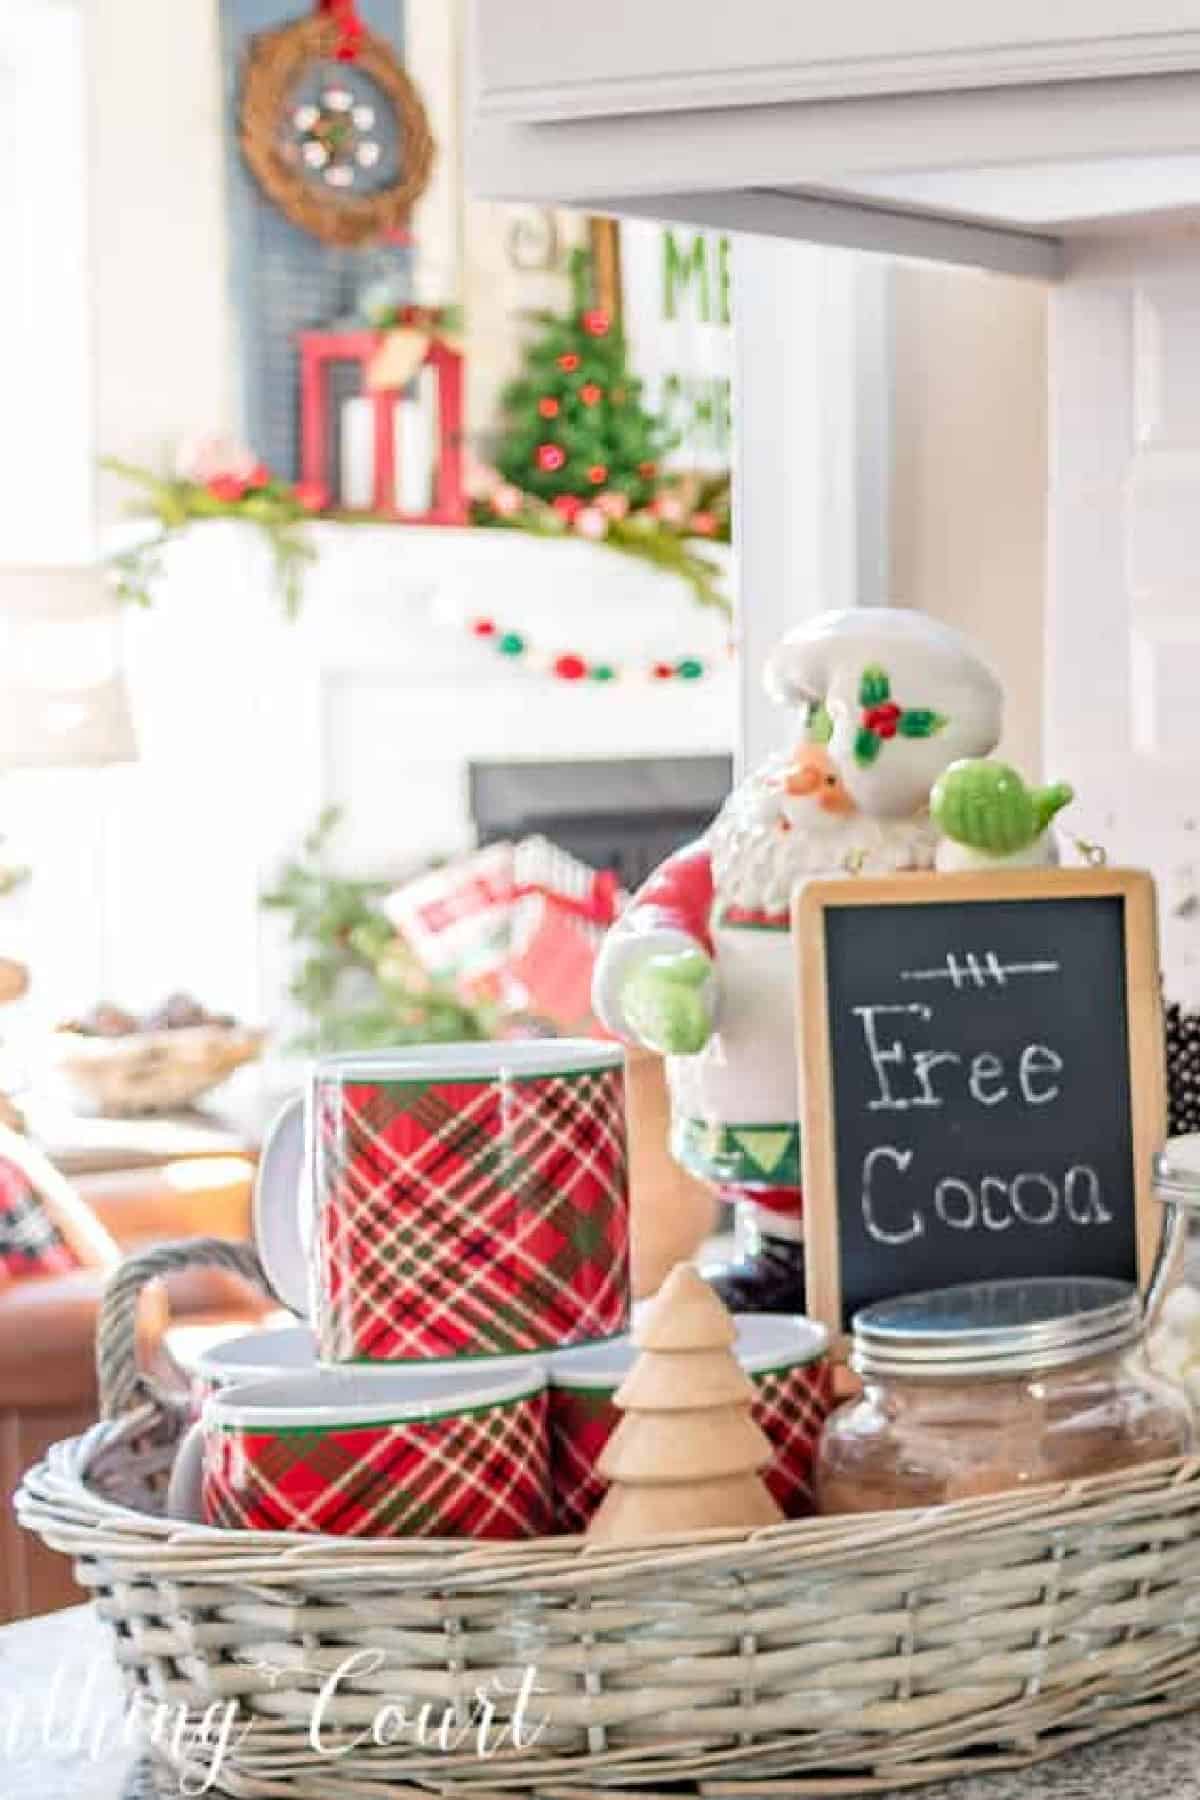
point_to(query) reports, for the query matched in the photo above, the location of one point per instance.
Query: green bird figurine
(989, 818)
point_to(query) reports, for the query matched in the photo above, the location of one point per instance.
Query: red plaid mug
(793, 1379)
(451, 1200)
(373, 1453)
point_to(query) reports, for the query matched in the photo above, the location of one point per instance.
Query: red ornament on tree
(550, 457)
(647, 470)
(570, 668)
(548, 406)
(567, 506)
(598, 474)
(589, 393)
(568, 362)
(596, 322)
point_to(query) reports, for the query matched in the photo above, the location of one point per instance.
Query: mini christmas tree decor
(574, 420)
(686, 1454)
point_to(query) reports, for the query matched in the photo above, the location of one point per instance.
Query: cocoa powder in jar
(925, 1433)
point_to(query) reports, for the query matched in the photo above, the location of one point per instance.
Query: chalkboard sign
(982, 1078)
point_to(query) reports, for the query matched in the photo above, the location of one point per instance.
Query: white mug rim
(798, 1342)
(492, 1060)
(272, 1404)
(211, 1364)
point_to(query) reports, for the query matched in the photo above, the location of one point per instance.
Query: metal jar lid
(996, 1328)
(1177, 1171)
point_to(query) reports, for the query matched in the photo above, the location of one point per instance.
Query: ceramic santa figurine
(700, 967)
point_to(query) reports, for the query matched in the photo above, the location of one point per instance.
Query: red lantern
(319, 351)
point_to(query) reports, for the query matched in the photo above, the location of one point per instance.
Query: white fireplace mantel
(148, 877)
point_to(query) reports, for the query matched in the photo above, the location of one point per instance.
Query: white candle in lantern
(416, 428)
(357, 423)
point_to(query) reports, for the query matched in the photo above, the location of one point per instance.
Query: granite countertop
(61, 1711)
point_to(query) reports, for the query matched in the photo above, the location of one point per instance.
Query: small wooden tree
(686, 1453)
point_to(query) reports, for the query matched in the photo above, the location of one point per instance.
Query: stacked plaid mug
(453, 1222)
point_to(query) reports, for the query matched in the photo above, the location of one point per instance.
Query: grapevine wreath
(302, 155)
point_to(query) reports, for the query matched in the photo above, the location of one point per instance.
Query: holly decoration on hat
(574, 419)
(881, 719)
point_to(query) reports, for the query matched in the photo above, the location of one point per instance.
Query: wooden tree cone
(628, 1513)
(686, 1454)
(695, 1446)
(687, 1315)
(684, 1381)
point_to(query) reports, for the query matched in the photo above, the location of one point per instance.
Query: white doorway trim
(813, 449)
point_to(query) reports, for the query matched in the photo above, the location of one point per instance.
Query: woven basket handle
(122, 1384)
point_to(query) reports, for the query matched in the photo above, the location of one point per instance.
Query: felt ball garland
(572, 665)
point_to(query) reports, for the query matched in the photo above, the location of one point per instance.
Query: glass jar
(992, 1386)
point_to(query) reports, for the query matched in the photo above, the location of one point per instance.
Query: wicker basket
(821, 1657)
(153, 1071)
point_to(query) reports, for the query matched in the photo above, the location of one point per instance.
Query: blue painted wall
(283, 280)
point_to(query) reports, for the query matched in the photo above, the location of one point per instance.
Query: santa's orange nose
(804, 781)
(813, 776)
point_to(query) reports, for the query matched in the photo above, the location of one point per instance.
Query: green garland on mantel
(283, 510)
(658, 534)
(279, 509)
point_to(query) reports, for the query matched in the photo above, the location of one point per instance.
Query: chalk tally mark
(973, 970)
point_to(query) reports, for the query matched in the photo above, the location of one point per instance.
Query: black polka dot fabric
(1183, 1070)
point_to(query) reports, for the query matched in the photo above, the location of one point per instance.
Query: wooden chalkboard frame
(1147, 1067)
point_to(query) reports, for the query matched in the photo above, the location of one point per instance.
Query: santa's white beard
(756, 863)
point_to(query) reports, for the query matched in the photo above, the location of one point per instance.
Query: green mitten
(665, 1004)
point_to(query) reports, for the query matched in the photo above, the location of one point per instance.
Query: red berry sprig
(881, 719)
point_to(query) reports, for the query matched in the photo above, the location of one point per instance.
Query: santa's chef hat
(927, 668)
